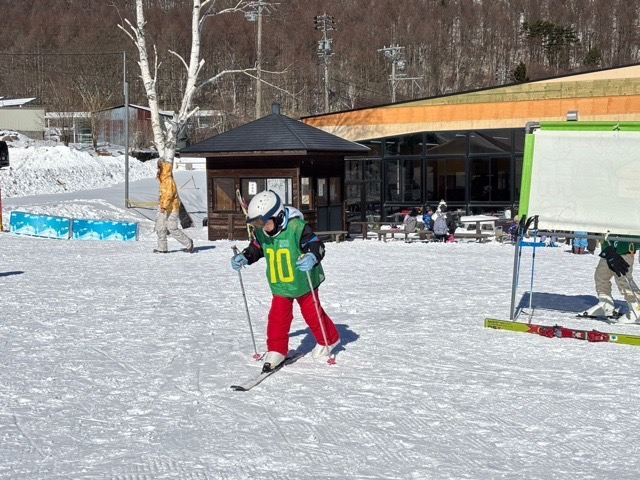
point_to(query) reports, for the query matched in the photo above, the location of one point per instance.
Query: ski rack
(522, 229)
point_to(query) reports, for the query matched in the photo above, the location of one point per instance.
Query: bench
(335, 235)
(382, 233)
(478, 237)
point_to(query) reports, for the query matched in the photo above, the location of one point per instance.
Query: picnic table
(478, 220)
(479, 234)
(376, 227)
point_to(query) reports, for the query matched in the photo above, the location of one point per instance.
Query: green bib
(621, 247)
(281, 253)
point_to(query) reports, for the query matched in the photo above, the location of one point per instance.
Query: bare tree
(95, 96)
(165, 135)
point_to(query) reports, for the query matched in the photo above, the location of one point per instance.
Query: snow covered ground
(116, 363)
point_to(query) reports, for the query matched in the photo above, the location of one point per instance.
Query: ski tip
(238, 388)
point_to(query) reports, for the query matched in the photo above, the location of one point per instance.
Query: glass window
(446, 143)
(490, 179)
(335, 191)
(224, 194)
(353, 192)
(305, 193)
(490, 141)
(375, 146)
(446, 180)
(518, 140)
(353, 170)
(374, 211)
(372, 172)
(322, 192)
(518, 177)
(403, 180)
(405, 145)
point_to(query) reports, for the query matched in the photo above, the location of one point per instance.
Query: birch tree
(165, 134)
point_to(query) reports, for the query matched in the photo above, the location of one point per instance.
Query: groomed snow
(116, 363)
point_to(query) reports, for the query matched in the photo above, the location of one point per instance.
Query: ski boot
(603, 309)
(324, 351)
(272, 361)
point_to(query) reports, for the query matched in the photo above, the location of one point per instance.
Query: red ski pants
(281, 316)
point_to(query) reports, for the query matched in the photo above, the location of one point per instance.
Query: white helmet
(264, 206)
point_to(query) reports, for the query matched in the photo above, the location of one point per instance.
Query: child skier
(283, 237)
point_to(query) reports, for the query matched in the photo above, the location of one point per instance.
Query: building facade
(466, 148)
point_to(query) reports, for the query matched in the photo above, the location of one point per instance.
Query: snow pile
(42, 167)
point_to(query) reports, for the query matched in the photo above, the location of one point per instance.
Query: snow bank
(41, 168)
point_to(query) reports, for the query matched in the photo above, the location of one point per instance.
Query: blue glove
(238, 261)
(306, 262)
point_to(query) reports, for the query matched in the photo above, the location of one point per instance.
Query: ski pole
(315, 303)
(533, 262)
(331, 361)
(522, 229)
(633, 286)
(256, 355)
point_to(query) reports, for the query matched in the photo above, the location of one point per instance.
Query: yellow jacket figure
(169, 211)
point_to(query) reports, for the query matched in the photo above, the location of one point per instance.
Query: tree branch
(216, 77)
(270, 84)
(180, 58)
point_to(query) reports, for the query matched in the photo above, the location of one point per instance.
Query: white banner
(588, 181)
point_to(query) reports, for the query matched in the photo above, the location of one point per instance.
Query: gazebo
(301, 163)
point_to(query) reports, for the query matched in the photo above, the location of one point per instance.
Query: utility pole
(395, 53)
(259, 63)
(125, 86)
(254, 14)
(398, 63)
(325, 23)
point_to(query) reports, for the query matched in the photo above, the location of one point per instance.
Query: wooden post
(230, 227)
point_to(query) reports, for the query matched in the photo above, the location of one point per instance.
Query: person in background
(427, 214)
(616, 260)
(410, 222)
(452, 225)
(440, 225)
(169, 211)
(579, 243)
(293, 253)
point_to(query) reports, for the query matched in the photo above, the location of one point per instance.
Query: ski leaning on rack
(258, 379)
(559, 331)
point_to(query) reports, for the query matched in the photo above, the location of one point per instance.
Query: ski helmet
(263, 207)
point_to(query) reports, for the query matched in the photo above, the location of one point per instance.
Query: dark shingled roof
(275, 132)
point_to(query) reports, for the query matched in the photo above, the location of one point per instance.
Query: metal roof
(275, 133)
(16, 102)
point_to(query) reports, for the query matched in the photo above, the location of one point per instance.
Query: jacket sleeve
(253, 252)
(310, 243)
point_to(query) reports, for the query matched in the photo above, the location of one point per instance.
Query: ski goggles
(256, 222)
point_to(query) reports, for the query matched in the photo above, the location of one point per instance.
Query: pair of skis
(558, 331)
